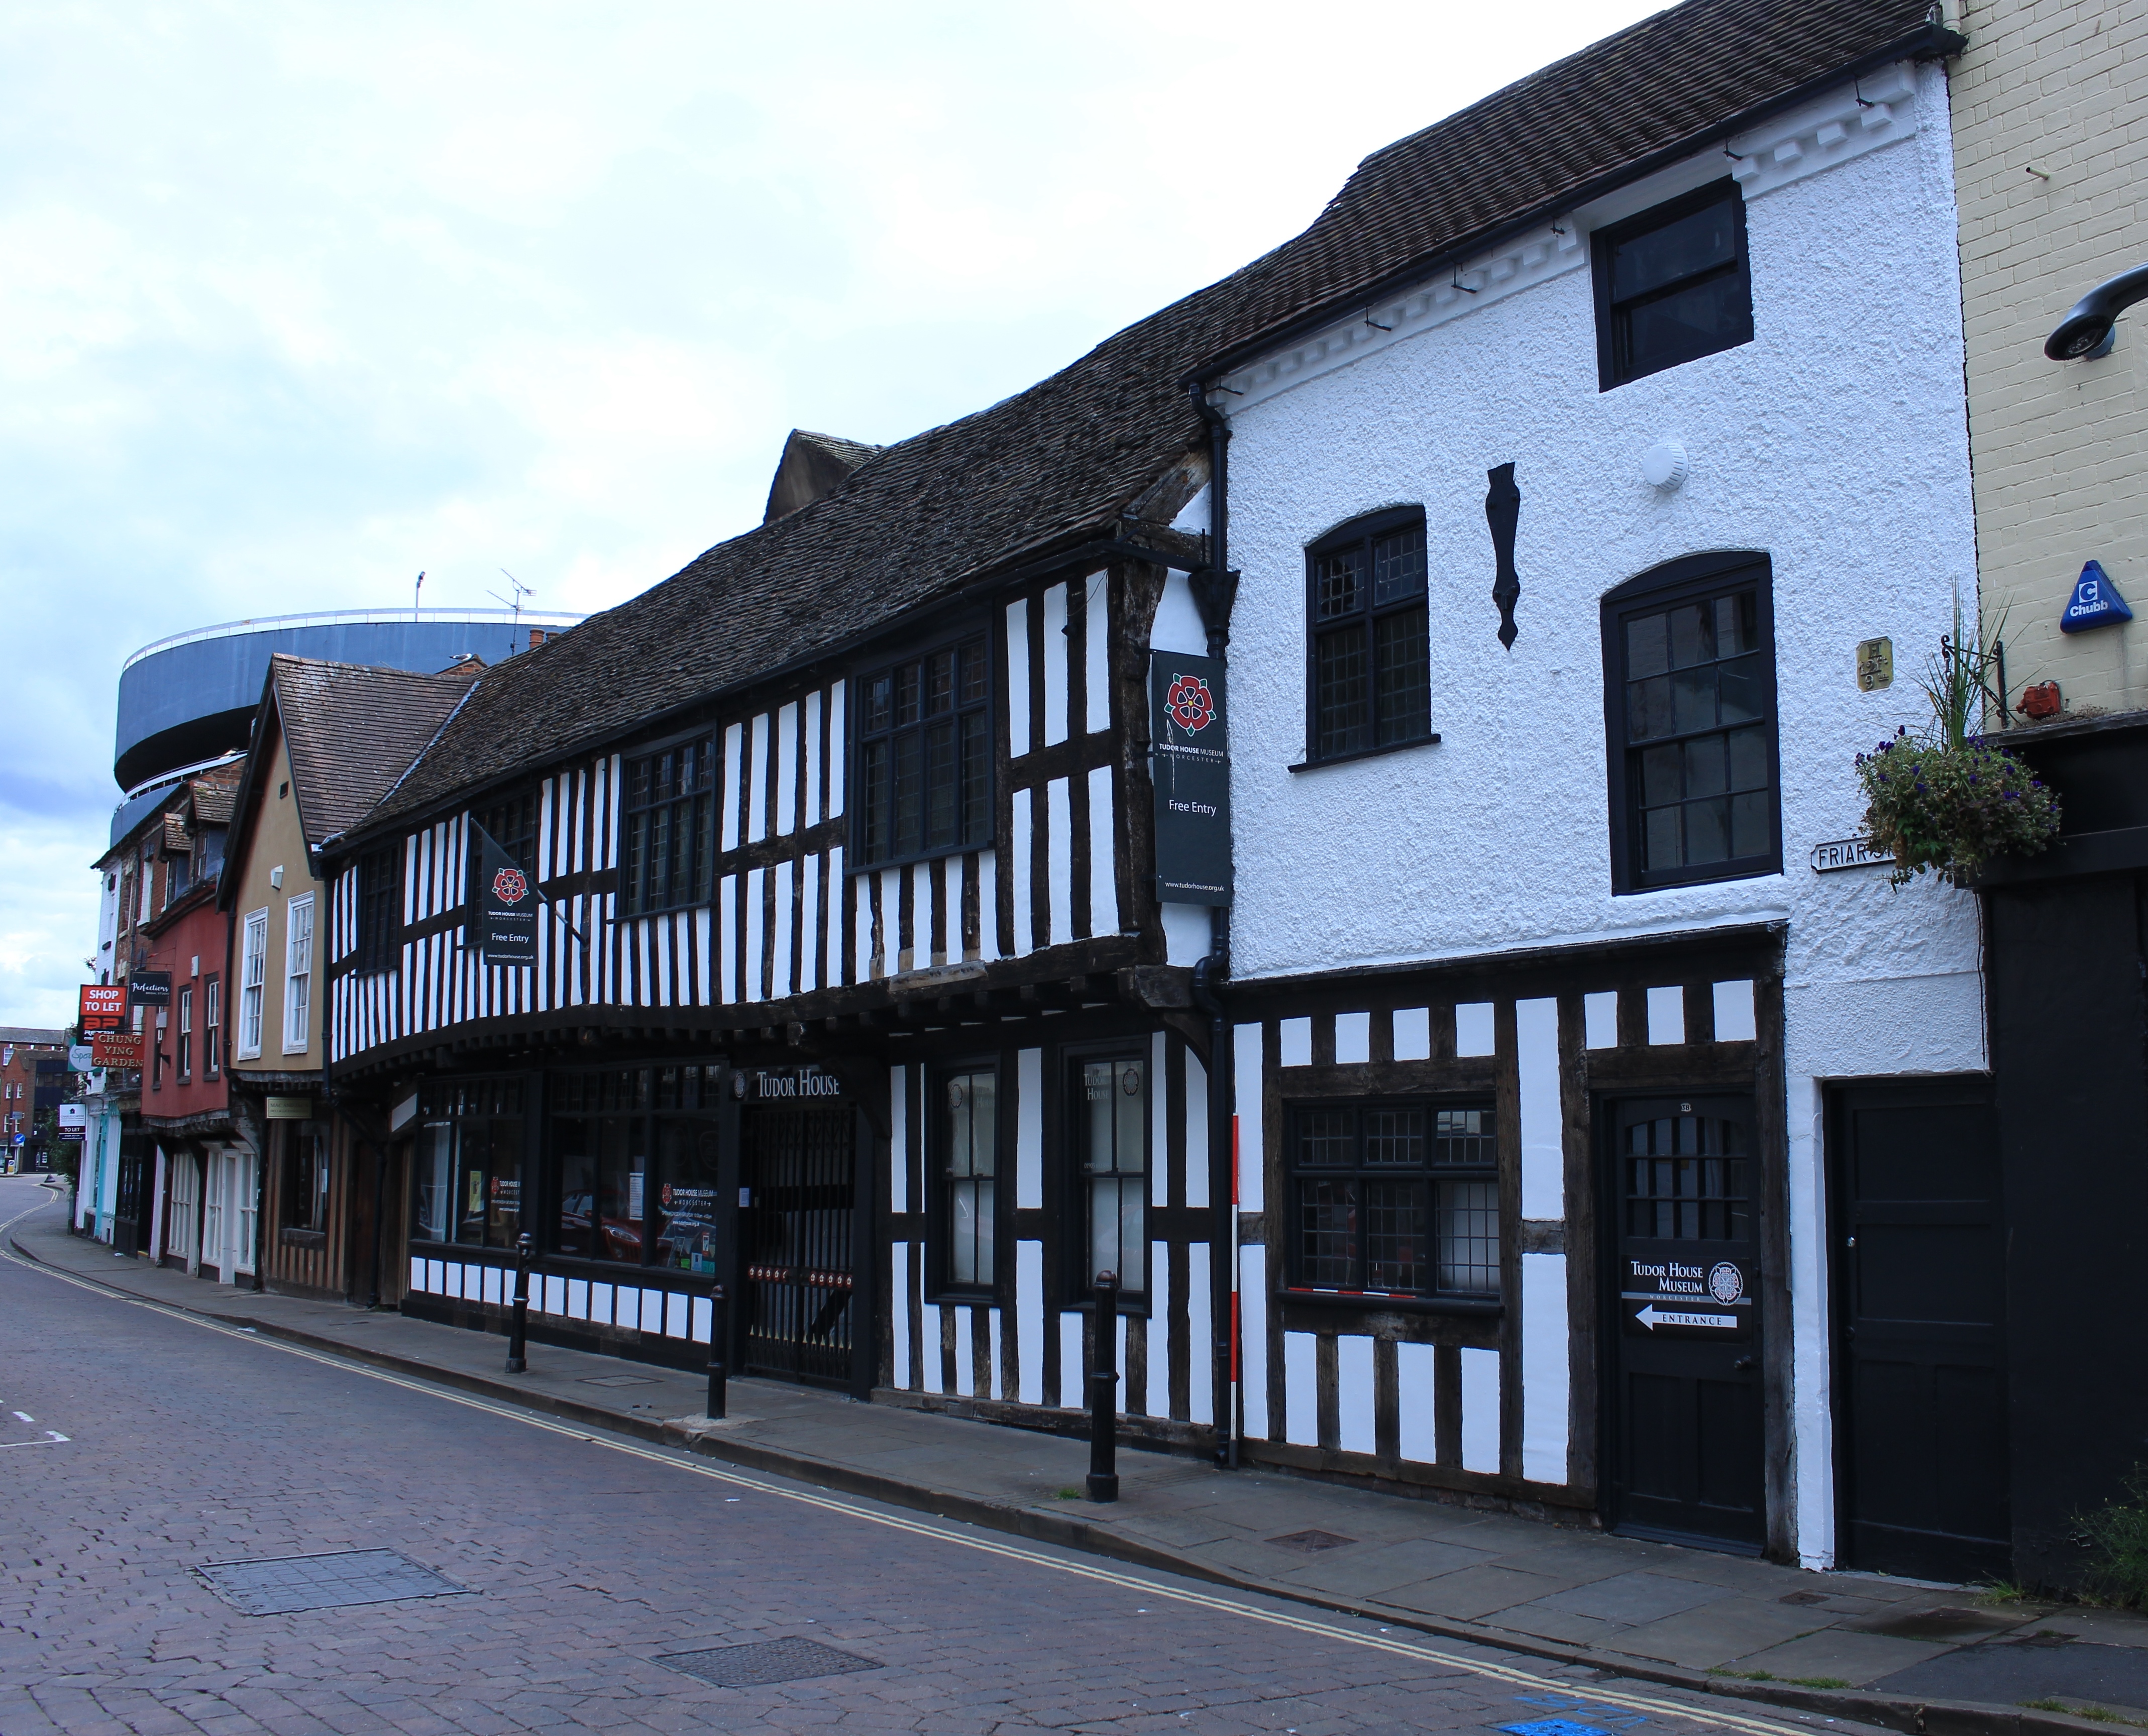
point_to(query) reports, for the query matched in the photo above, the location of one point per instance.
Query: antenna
(415, 594)
(521, 591)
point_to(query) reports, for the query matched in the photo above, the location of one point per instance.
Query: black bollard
(718, 1331)
(517, 1339)
(1103, 1393)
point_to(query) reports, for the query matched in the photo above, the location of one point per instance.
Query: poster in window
(507, 902)
(1190, 766)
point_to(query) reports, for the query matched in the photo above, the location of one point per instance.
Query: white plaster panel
(929, 1368)
(1296, 1035)
(1055, 650)
(1201, 1386)
(1480, 1410)
(755, 923)
(898, 1139)
(733, 736)
(1250, 1157)
(837, 739)
(1028, 1318)
(988, 905)
(1017, 676)
(1196, 1133)
(965, 1363)
(1546, 1378)
(780, 976)
(1416, 1384)
(1029, 1129)
(1157, 1401)
(1025, 918)
(1667, 1015)
(1177, 623)
(1103, 864)
(995, 1381)
(1059, 856)
(1543, 1152)
(1886, 1023)
(600, 1304)
(1412, 1033)
(1193, 518)
(756, 810)
(1735, 1022)
(814, 708)
(1301, 1390)
(726, 927)
(1187, 931)
(1159, 1124)
(578, 1299)
(1599, 1020)
(1354, 1038)
(1095, 673)
(1474, 1033)
(1253, 1340)
(899, 1264)
(704, 1315)
(787, 769)
(1812, 1396)
(1071, 1395)
(1354, 1393)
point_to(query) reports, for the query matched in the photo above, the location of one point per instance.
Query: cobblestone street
(581, 1561)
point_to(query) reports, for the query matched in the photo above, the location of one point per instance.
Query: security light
(2085, 333)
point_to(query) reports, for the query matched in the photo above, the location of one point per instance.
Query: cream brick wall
(2060, 448)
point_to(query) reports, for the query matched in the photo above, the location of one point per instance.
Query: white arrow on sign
(1652, 1316)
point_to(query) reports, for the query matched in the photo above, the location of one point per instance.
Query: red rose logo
(1191, 704)
(509, 887)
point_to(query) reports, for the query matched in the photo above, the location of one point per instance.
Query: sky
(300, 301)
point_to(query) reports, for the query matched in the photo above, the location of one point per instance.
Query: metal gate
(797, 1221)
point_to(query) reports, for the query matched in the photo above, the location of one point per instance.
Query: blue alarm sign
(2095, 602)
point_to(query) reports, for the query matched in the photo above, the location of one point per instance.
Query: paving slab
(2009, 1672)
(1631, 1599)
(1730, 1629)
(1838, 1654)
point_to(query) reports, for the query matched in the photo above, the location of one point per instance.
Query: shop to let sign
(1190, 767)
(103, 1008)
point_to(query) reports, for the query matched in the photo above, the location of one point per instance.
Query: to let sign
(116, 1049)
(1190, 766)
(103, 1008)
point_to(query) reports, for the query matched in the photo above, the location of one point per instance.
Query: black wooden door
(130, 1200)
(1683, 1388)
(797, 1212)
(1920, 1302)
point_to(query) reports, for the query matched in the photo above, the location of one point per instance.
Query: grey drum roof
(1056, 464)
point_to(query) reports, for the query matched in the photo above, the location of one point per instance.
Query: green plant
(2118, 1536)
(1996, 1592)
(1070, 1495)
(2094, 1714)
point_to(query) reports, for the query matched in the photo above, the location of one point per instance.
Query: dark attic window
(1672, 284)
(925, 756)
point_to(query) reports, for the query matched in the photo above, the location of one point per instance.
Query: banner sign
(103, 1008)
(149, 988)
(507, 905)
(1190, 765)
(74, 1115)
(117, 1048)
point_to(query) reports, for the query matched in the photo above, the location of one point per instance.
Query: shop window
(1367, 674)
(306, 1177)
(634, 1165)
(1395, 1199)
(924, 756)
(1111, 1149)
(1689, 672)
(299, 975)
(668, 842)
(379, 908)
(466, 1170)
(1672, 285)
(964, 1144)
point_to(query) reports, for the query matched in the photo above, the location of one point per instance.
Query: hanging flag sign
(507, 905)
(2095, 602)
(1190, 766)
(104, 1006)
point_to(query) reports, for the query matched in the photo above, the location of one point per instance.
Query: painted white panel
(1416, 1383)
(1201, 1358)
(1480, 1410)
(813, 708)
(898, 1140)
(1188, 933)
(1473, 1033)
(555, 1296)
(489, 1287)
(1667, 1015)
(726, 947)
(1070, 1362)
(436, 1278)
(1412, 1033)
(578, 1299)
(835, 753)
(1054, 665)
(1353, 1039)
(783, 920)
(1253, 1340)
(786, 768)
(1059, 852)
(921, 877)
(703, 1323)
(1017, 676)
(1354, 1393)
(1545, 1384)
(1178, 624)
(988, 906)
(1159, 1129)
(1024, 825)
(1029, 1130)
(966, 1364)
(899, 1264)
(1599, 1020)
(600, 1304)
(1103, 865)
(756, 788)
(863, 964)
(809, 928)
(1157, 1401)
(1251, 1156)
(1296, 1042)
(1029, 1319)
(628, 1307)
(733, 737)
(1735, 1022)
(755, 923)
(995, 1379)
(418, 1275)
(1096, 602)
(1811, 1375)
(675, 1313)
(1301, 1390)
(1196, 1132)
(1544, 1154)
(928, 1349)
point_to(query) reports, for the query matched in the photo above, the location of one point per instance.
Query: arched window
(1689, 724)
(1366, 683)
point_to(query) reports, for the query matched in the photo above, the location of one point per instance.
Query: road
(145, 1445)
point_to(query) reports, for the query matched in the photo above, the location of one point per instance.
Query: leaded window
(1111, 1146)
(1368, 682)
(669, 849)
(968, 1152)
(925, 756)
(1672, 284)
(1395, 1199)
(1689, 1178)
(1691, 670)
(511, 822)
(379, 907)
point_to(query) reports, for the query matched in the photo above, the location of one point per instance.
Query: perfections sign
(1190, 766)
(103, 1008)
(149, 988)
(507, 905)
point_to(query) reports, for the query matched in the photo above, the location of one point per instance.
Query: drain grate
(765, 1662)
(290, 1583)
(1311, 1543)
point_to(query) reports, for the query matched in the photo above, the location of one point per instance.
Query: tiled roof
(214, 794)
(175, 841)
(351, 729)
(1058, 463)
(31, 1035)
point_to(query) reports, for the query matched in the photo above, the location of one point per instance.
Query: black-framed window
(1111, 1158)
(964, 1149)
(466, 1170)
(1394, 1197)
(668, 828)
(1689, 705)
(1368, 683)
(306, 1176)
(1672, 284)
(512, 822)
(379, 907)
(632, 1165)
(925, 756)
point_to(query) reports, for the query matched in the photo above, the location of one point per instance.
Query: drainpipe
(1212, 591)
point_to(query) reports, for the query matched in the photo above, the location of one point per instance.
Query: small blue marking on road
(1554, 1727)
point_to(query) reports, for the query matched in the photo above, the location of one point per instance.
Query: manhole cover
(765, 1661)
(1311, 1543)
(281, 1585)
(617, 1380)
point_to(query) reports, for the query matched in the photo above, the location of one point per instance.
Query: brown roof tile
(351, 730)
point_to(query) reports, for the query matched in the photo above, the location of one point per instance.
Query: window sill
(1750, 868)
(1370, 1299)
(1364, 753)
(849, 866)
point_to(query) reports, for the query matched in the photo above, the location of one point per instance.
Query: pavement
(1895, 1654)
